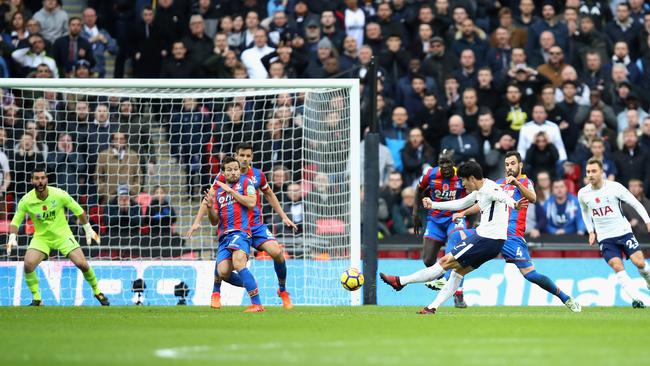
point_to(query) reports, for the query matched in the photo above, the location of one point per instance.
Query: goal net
(137, 155)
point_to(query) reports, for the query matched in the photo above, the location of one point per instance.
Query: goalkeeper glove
(90, 234)
(11, 243)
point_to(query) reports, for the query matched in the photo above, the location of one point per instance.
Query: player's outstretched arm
(88, 229)
(586, 219)
(452, 205)
(275, 204)
(469, 212)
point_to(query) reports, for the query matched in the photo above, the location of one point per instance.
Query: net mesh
(138, 159)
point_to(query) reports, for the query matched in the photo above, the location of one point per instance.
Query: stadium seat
(96, 215)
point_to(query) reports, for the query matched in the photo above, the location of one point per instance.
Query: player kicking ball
(600, 202)
(231, 209)
(46, 207)
(477, 249)
(262, 238)
(515, 249)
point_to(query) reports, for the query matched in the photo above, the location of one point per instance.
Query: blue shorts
(515, 250)
(476, 250)
(613, 247)
(261, 234)
(439, 230)
(232, 242)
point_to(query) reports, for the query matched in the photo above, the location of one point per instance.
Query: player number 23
(632, 243)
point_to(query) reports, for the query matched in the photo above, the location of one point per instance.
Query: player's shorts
(613, 247)
(455, 238)
(64, 246)
(232, 242)
(515, 250)
(476, 250)
(439, 229)
(261, 234)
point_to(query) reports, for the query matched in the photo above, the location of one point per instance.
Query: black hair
(515, 154)
(39, 168)
(244, 146)
(470, 169)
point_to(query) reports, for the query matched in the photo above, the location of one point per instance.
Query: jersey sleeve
(19, 216)
(264, 184)
(455, 205)
(586, 219)
(425, 179)
(71, 204)
(626, 196)
(249, 188)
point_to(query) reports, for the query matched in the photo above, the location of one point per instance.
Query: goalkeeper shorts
(64, 246)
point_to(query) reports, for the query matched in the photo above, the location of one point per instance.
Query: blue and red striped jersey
(233, 216)
(517, 218)
(260, 183)
(442, 189)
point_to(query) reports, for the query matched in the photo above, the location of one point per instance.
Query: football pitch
(312, 336)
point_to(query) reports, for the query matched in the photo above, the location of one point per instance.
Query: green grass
(322, 336)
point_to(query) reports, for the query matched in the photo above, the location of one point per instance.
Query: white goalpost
(137, 154)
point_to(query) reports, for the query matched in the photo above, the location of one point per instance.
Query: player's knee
(239, 261)
(429, 260)
(83, 266)
(29, 267)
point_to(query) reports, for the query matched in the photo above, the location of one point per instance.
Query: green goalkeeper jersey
(48, 215)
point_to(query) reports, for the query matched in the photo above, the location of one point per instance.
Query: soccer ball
(352, 279)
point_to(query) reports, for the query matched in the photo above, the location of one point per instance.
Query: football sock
(216, 287)
(89, 275)
(235, 279)
(423, 275)
(626, 284)
(449, 289)
(281, 272)
(250, 285)
(32, 282)
(547, 284)
(645, 273)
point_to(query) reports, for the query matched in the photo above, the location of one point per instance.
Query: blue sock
(250, 285)
(217, 281)
(281, 272)
(546, 283)
(235, 279)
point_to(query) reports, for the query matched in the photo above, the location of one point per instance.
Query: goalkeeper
(46, 207)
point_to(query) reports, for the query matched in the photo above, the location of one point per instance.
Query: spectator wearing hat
(323, 52)
(81, 70)
(123, 215)
(439, 62)
(117, 165)
(100, 40)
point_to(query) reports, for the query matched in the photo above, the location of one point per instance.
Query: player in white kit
(600, 202)
(477, 249)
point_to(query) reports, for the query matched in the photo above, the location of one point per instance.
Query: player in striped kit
(263, 239)
(515, 249)
(600, 203)
(477, 249)
(230, 206)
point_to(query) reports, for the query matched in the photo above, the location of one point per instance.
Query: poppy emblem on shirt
(445, 187)
(44, 208)
(597, 200)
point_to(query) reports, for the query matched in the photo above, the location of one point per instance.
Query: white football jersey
(494, 203)
(601, 209)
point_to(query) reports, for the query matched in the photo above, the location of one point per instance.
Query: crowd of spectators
(558, 81)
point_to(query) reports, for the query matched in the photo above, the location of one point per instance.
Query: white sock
(645, 273)
(625, 281)
(447, 291)
(423, 275)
